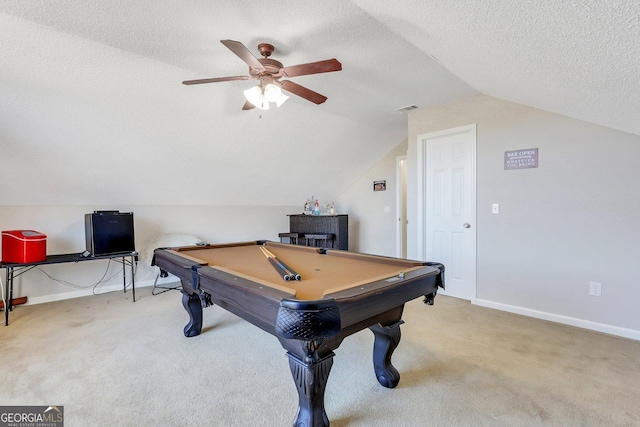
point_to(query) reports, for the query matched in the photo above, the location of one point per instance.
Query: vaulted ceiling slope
(92, 109)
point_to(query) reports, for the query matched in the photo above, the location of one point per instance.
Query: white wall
(372, 229)
(64, 227)
(572, 220)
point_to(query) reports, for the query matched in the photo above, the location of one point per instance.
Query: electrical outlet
(595, 289)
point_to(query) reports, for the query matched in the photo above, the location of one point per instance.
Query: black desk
(16, 269)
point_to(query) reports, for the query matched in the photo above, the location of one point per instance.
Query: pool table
(339, 293)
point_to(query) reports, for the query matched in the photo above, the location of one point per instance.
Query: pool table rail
(260, 302)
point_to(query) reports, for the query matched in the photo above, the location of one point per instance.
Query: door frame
(422, 195)
(401, 207)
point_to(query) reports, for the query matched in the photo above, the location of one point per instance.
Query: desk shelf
(14, 270)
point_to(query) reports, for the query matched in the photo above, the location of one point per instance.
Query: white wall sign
(521, 159)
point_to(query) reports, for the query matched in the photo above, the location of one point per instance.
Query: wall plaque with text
(521, 159)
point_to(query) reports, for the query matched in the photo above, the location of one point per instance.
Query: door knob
(466, 225)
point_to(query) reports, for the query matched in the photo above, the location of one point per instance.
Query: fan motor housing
(271, 66)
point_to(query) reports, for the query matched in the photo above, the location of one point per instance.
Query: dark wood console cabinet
(338, 225)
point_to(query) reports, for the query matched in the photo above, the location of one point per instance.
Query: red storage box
(23, 246)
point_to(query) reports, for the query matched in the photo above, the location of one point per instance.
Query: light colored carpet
(112, 362)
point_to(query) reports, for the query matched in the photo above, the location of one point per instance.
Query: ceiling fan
(269, 72)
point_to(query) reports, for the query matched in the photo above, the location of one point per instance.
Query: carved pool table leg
(311, 381)
(193, 306)
(387, 339)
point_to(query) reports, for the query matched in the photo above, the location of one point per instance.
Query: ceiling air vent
(407, 108)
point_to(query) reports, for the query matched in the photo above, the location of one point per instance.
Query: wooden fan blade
(215, 80)
(248, 106)
(303, 92)
(312, 68)
(243, 53)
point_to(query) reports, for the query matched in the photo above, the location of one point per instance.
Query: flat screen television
(109, 232)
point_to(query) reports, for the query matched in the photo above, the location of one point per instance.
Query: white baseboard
(566, 320)
(100, 290)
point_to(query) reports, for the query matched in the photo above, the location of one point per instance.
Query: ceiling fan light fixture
(268, 71)
(281, 99)
(272, 92)
(261, 98)
(254, 96)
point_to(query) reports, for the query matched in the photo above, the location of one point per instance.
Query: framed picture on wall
(379, 185)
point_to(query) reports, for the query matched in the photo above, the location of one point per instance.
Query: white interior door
(449, 197)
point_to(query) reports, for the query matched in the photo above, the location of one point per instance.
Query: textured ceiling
(92, 110)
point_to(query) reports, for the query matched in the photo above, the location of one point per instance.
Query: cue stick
(285, 274)
(290, 270)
